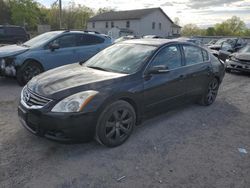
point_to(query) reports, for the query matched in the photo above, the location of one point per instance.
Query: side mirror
(159, 69)
(54, 46)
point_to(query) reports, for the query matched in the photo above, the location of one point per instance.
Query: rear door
(198, 69)
(88, 45)
(161, 90)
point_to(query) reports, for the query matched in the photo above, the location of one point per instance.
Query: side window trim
(158, 51)
(47, 45)
(184, 57)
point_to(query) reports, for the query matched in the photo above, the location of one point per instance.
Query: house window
(107, 24)
(127, 24)
(159, 26)
(93, 24)
(112, 24)
(153, 25)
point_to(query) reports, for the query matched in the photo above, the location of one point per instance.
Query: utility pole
(60, 14)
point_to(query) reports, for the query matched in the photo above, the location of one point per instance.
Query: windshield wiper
(98, 68)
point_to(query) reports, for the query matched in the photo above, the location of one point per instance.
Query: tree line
(231, 27)
(29, 13)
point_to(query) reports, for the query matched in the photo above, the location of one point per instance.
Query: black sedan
(239, 61)
(113, 91)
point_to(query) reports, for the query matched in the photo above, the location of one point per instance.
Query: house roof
(175, 25)
(126, 15)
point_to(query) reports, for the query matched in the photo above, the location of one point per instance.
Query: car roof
(151, 42)
(156, 42)
(82, 32)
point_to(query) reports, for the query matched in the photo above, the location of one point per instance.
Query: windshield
(121, 58)
(220, 41)
(246, 49)
(40, 39)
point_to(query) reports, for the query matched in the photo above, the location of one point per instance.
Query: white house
(152, 21)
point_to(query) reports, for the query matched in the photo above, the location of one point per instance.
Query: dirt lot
(192, 146)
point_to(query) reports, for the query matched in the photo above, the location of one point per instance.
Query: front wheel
(115, 124)
(209, 97)
(27, 72)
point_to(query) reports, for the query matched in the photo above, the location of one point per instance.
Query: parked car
(112, 92)
(228, 47)
(10, 34)
(123, 38)
(235, 45)
(212, 42)
(151, 37)
(48, 51)
(192, 40)
(240, 60)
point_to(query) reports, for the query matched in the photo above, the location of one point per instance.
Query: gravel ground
(192, 146)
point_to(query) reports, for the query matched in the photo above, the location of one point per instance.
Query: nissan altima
(114, 90)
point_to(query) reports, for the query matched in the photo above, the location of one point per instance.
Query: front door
(66, 54)
(160, 90)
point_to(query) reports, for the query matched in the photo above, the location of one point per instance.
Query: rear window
(85, 39)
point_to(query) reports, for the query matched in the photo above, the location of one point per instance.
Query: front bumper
(58, 126)
(7, 68)
(237, 66)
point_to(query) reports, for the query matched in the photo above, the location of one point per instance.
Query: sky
(204, 13)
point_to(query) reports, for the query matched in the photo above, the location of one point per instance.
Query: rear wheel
(115, 124)
(27, 72)
(209, 97)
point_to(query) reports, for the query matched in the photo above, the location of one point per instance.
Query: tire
(115, 124)
(209, 97)
(228, 70)
(27, 71)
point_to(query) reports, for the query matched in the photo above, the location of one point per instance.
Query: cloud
(167, 4)
(197, 4)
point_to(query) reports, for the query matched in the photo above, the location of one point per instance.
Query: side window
(205, 56)
(83, 40)
(169, 56)
(66, 41)
(1, 31)
(193, 54)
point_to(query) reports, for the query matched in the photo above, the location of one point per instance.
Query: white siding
(100, 26)
(141, 26)
(157, 17)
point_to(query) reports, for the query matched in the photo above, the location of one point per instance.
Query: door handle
(209, 71)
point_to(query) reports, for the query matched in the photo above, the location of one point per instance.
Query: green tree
(210, 31)
(191, 30)
(5, 14)
(25, 13)
(177, 21)
(231, 27)
(103, 10)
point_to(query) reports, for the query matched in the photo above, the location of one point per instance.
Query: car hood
(242, 56)
(12, 50)
(69, 79)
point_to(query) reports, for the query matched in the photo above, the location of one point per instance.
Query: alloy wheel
(212, 91)
(119, 125)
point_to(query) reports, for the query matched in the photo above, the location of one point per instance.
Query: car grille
(33, 100)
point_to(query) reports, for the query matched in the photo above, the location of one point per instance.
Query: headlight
(74, 103)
